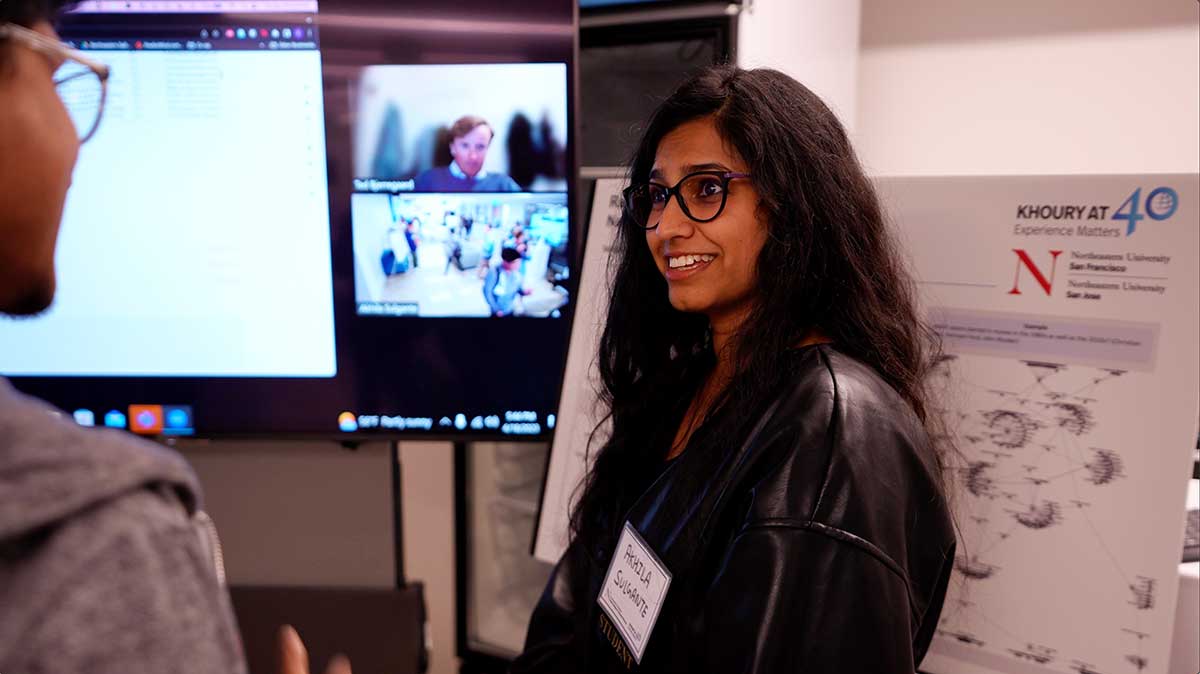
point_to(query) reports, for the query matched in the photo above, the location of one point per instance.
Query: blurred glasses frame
(61, 55)
(632, 192)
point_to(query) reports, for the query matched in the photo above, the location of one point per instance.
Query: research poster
(1068, 308)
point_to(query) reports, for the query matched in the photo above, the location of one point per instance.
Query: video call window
(461, 255)
(462, 128)
(239, 225)
(460, 203)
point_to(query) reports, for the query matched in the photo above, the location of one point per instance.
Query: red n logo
(1023, 259)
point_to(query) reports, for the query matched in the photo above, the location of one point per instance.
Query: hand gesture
(293, 656)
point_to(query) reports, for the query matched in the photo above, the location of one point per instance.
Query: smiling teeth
(688, 260)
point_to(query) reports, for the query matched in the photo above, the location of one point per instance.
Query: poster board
(579, 410)
(1069, 310)
(1069, 307)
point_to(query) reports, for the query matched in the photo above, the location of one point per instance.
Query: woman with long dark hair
(768, 499)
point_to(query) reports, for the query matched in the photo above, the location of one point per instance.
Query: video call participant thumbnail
(502, 285)
(470, 138)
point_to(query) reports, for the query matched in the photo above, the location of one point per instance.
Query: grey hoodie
(106, 562)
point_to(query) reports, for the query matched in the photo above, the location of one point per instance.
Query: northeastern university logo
(1046, 282)
(1036, 269)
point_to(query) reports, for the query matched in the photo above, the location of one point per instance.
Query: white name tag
(634, 589)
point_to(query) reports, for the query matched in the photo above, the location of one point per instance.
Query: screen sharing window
(195, 239)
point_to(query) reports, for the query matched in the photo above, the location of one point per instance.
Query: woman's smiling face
(710, 267)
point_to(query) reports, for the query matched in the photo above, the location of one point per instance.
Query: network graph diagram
(1043, 508)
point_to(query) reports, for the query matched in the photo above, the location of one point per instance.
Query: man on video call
(470, 138)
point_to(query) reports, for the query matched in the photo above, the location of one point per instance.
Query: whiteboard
(579, 409)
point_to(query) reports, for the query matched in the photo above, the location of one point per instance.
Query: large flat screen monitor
(314, 221)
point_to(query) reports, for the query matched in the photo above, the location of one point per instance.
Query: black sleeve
(551, 646)
(799, 597)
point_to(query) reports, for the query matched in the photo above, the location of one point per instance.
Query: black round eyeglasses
(701, 196)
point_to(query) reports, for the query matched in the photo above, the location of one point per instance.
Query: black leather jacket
(822, 544)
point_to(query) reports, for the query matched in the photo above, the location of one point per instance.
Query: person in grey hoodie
(107, 562)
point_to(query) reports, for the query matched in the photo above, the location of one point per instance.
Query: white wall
(950, 87)
(814, 41)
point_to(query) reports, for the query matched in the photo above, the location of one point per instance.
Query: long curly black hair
(829, 263)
